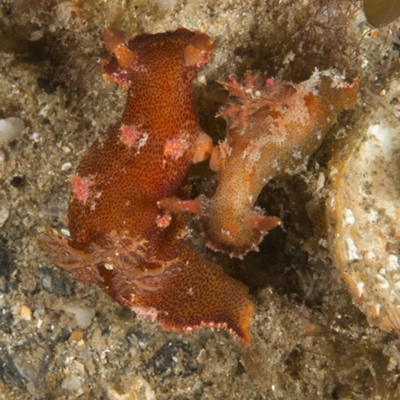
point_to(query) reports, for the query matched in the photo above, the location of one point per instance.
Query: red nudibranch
(120, 238)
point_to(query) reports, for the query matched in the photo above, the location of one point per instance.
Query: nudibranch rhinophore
(273, 127)
(120, 237)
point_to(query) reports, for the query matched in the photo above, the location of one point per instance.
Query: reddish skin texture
(117, 240)
(80, 188)
(129, 135)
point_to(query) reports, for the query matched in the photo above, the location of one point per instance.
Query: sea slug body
(273, 127)
(120, 237)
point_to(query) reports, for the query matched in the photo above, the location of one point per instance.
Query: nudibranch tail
(263, 223)
(200, 295)
(273, 127)
(184, 294)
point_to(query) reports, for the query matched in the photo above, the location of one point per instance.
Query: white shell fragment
(363, 212)
(11, 129)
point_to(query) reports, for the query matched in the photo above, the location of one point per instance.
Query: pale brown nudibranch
(272, 128)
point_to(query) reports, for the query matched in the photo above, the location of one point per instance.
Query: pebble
(11, 129)
(4, 214)
(25, 313)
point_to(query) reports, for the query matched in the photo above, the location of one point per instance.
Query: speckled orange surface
(120, 238)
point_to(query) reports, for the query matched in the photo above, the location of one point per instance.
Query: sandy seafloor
(63, 340)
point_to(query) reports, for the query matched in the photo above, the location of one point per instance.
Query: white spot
(320, 181)
(384, 284)
(66, 166)
(352, 253)
(65, 232)
(372, 216)
(297, 155)
(276, 165)
(226, 232)
(360, 287)
(35, 137)
(392, 262)
(289, 57)
(11, 128)
(142, 141)
(385, 135)
(349, 216)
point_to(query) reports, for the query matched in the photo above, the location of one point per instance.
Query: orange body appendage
(121, 239)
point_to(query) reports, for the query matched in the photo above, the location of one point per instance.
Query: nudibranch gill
(120, 237)
(273, 126)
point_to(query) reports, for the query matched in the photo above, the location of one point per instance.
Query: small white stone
(349, 216)
(352, 253)
(321, 181)
(65, 232)
(11, 128)
(35, 137)
(392, 262)
(83, 315)
(360, 287)
(66, 166)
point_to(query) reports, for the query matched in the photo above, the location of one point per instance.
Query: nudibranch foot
(273, 127)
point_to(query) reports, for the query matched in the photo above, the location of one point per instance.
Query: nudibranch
(120, 237)
(273, 128)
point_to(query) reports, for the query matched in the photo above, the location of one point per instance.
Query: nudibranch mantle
(120, 237)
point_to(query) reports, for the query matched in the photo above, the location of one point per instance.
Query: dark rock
(8, 371)
(7, 267)
(18, 181)
(46, 85)
(52, 281)
(173, 358)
